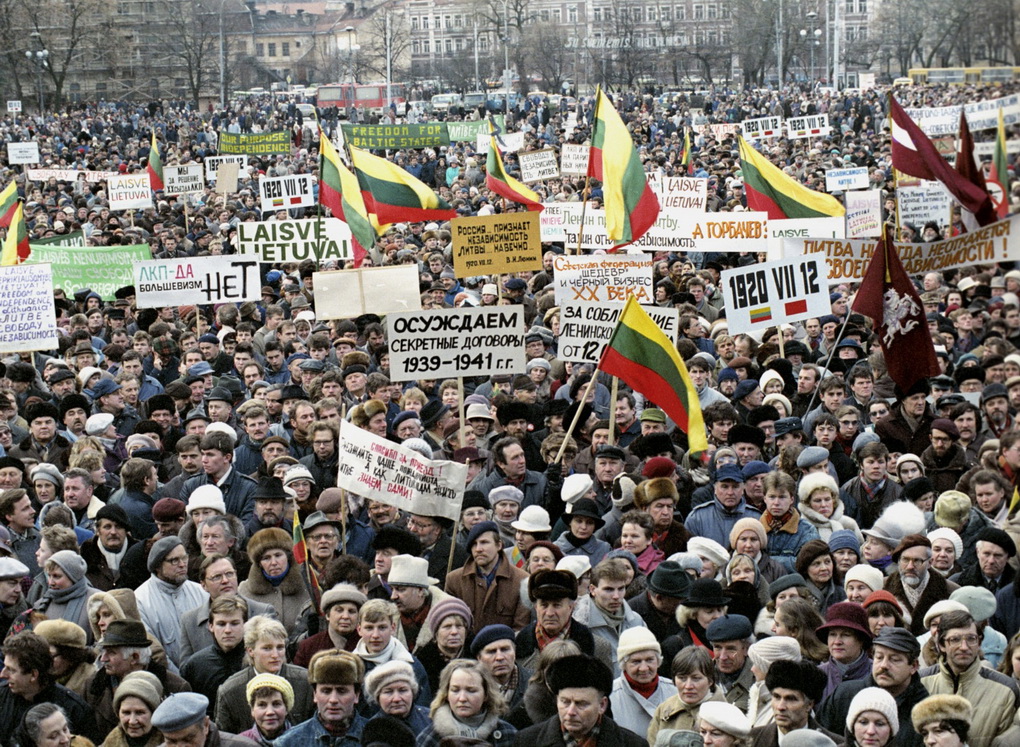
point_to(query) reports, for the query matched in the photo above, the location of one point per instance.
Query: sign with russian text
(488, 244)
(27, 315)
(603, 277)
(129, 192)
(23, 153)
(574, 159)
(380, 470)
(296, 240)
(841, 180)
(756, 129)
(13, 106)
(848, 258)
(347, 294)
(585, 328)
(447, 343)
(104, 269)
(770, 293)
(257, 144)
(682, 193)
(196, 280)
(811, 125)
(469, 131)
(537, 165)
(183, 180)
(286, 192)
(212, 165)
(863, 214)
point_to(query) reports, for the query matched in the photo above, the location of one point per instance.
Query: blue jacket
(785, 541)
(714, 521)
(238, 492)
(312, 732)
(138, 507)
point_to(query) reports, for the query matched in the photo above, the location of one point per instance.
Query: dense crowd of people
(836, 569)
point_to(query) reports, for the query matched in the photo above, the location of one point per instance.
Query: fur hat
(388, 673)
(814, 481)
(942, 708)
(61, 633)
(392, 537)
(896, 522)
(579, 671)
(653, 490)
(334, 667)
(624, 491)
(355, 358)
(510, 411)
(269, 539)
(802, 675)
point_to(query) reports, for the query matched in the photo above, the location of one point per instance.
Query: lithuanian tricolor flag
(631, 206)
(339, 191)
(393, 194)
(16, 248)
(641, 355)
(1000, 169)
(502, 183)
(687, 162)
(8, 203)
(155, 166)
(771, 191)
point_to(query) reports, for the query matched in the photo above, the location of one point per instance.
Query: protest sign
(771, 293)
(981, 115)
(286, 192)
(183, 180)
(574, 159)
(296, 240)
(196, 280)
(469, 131)
(848, 259)
(864, 214)
(13, 106)
(600, 278)
(346, 294)
(104, 269)
(585, 328)
(508, 142)
(812, 125)
(23, 153)
(447, 343)
(75, 238)
(212, 165)
(226, 178)
(425, 135)
(27, 315)
(756, 129)
(377, 469)
(683, 193)
(983, 150)
(719, 131)
(552, 223)
(488, 244)
(840, 180)
(69, 175)
(537, 165)
(817, 228)
(928, 201)
(257, 144)
(129, 192)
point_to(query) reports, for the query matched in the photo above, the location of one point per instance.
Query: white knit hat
(710, 549)
(940, 608)
(207, 496)
(873, 699)
(726, 717)
(945, 533)
(636, 639)
(866, 574)
(774, 648)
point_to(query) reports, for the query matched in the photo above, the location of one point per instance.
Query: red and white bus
(368, 98)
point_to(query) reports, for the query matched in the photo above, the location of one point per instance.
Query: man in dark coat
(913, 558)
(667, 586)
(581, 685)
(104, 552)
(796, 687)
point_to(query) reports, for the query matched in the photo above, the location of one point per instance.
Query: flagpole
(842, 329)
(577, 415)
(453, 544)
(343, 521)
(612, 410)
(587, 176)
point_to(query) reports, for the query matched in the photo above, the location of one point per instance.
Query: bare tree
(551, 56)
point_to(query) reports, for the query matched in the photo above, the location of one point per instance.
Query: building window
(415, 23)
(681, 12)
(458, 21)
(712, 11)
(557, 15)
(572, 14)
(699, 12)
(459, 44)
(597, 15)
(544, 15)
(272, 49)
(260, 50)
(285, 49)
(449, 45)
(862, 6)
(666, 14)
(426, 46)
(483, 43)
(416, 47)
(446, 21)
(425, 23)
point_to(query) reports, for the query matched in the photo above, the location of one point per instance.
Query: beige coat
(287, 599)
(675, 714)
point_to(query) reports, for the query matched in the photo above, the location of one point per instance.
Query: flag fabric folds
(340, 192)
(915, 155)
(889, 297)
(641, 355)
(630, 205)
(8, 203)
(687, 162)
(1000, 168)
(16, 248)
(500, 182)
(771, 191)
(155, 166)
(969, 170)
(393, 194)
(301, 558)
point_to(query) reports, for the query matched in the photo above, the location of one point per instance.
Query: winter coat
(549, 734)
(118, 738)
(634, 711)
(833, 711)
(195, 634)
(661, 624)
(714, 521)
(937, 590)
(287, 599)
(867, 509)
(896, 434)
(588, 614)
(739, 693)
(858, 670)
(499, 603)
(100, 688)
(528, 651)
(994, 695)
(836, 522)
(944, 473)
(498, 732)
(675, 714)
(99, 574)
(56, 452)
(312, 732)
(533, 486)
(161, 607)
(786, 541)
(594, 548)
(238, 492)
(233, 713)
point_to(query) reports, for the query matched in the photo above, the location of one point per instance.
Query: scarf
(276, 580)
(613, 619)
(508, 690)
(772, 524)
(645, 691)
(913, 594)
(394, 651)
(479, 727)
(113, 558)
(574, 540)
(412, 623)
(882, 563)
(516, 558)
(73, 599)
(591, 739)
(543, 639)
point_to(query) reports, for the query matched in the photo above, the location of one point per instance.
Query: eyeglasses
(183, 560)
(911, 562)
(958, 640)
(221, 577)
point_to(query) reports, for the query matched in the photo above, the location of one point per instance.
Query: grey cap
(12, 568)
(811, 456)
(180, 711)
(159, 551)
(898, 639)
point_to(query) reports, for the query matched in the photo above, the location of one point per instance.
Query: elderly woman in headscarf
(134, 701)
(68, 590)
(72, 658)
